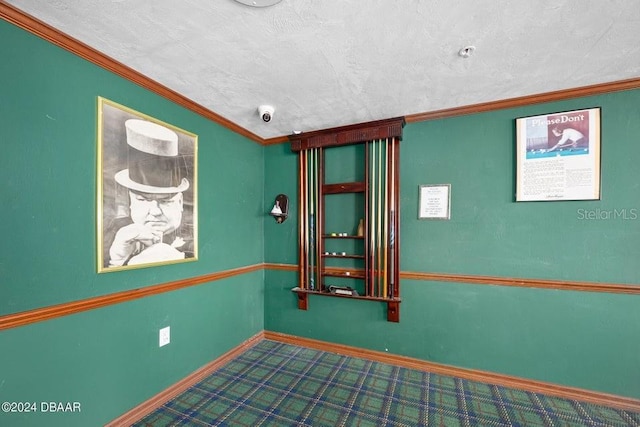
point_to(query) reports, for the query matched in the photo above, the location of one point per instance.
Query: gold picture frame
(147, 190)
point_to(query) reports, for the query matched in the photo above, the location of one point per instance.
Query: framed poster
(147, 190)
(435, 201)
(558, 156)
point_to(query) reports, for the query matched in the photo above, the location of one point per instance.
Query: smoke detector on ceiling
(467, 51)
(259, 3)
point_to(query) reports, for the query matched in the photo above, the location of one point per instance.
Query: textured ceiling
(324, 64)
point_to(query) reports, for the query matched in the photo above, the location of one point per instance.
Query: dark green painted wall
(108, 359)
(281, 172)
(489, 233)
(581, 339)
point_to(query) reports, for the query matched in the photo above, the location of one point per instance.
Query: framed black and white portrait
(147, 190)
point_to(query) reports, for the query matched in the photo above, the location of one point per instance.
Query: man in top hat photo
(150, 233)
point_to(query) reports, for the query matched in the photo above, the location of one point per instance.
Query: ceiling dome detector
(259, 3)
(467, 51)
(266, 112)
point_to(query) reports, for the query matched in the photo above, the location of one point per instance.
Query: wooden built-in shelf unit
(371, 245)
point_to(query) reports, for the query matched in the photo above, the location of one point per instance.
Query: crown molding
(41, 29)
(558, 95)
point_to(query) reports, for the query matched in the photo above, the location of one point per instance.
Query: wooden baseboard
(159, 399)
(550, 389)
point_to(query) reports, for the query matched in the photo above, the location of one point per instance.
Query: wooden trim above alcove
(351, 134)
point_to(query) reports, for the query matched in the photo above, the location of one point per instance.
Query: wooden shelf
(344, 187)
(346, 135)
(393, 304)
(367, 191)
(343, 256)
(351, 275)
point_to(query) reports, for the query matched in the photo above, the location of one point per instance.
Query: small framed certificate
(435, 202)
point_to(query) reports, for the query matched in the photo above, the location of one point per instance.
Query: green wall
(581, 339)
(108, 359)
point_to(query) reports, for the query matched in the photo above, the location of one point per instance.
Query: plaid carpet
(275, 384)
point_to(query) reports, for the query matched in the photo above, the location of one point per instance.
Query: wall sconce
(280, 209)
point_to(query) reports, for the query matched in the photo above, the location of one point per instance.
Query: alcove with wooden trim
(349, 218)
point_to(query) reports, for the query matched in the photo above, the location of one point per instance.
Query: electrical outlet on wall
(165, 336)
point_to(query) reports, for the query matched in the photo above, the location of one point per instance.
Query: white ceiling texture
(324, 64)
